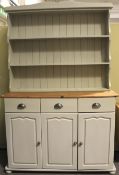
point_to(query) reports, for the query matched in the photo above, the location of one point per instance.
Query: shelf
(59, 52)
(82, 64)
(68, 37)
(57, 25)
(59, 78)
(63, 89)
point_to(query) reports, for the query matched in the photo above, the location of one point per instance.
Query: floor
(3, 162)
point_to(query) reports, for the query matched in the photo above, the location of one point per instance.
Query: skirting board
(9, 170)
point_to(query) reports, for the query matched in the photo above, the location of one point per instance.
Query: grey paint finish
(63, 5)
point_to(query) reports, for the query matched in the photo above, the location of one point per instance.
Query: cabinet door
(59, 138)
(23, 133)
(95, 140)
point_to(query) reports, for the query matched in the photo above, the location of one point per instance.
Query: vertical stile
(36, 60)
(84, 47)
(70, 23)
(29, 52)
(98, 24)
(36, 82)
(13, 79)
(43, 52)
(77, 51)
(104, 50)
(14, 52)
(43, 77)
(56, 26)
(49, 52)
(104, 24)
(14, 26)
(91, 81)
(56, 52)
(91, 53)
(70, 52)
(22, 51)
(35, 31)
(49, 26)
(63, 26)
(84, 76)
(98, 76)
(50, 75)
(84, 24)
(56, 76)
(98, 51)
(71, 77)
(63, 46)
(22, 26)
(28, 26)
(77, 25)
(90, 24)
(63, 76)
(23, 82)
(77, 77)
(41, 26)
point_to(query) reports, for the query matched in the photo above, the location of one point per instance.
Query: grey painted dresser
(60, 111)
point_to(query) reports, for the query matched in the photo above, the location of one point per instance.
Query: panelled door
(59, 139)
(23, 132)
(95, 140)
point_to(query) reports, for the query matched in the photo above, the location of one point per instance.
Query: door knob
(75, 143)
(80, 144)
(38, 144)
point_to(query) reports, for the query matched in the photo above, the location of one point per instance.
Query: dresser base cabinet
(59, 135)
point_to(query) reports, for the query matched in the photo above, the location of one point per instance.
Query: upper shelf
(62, 25)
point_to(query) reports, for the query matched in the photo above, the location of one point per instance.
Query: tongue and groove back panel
(61, 50)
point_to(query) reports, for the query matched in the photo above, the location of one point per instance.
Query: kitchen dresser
(60, 111)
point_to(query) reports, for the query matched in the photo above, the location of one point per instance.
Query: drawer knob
(96, 105)
(58, 106)
(75, 143)
(21, 106)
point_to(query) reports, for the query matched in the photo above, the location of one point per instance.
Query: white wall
(6, 3)
(28, 2)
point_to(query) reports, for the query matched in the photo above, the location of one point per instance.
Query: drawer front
(96, 104)
(58, 105)
(22, 105)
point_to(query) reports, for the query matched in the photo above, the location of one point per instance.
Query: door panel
(96, 132)
(59, 133)
(23, 133)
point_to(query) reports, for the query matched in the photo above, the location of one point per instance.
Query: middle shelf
(85, 51)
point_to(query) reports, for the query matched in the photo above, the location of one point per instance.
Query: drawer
(58, 105)
(96, 104)
(22, 105)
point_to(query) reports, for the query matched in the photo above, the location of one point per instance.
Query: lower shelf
(59, 78)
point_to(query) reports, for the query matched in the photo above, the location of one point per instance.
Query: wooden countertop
(59, 94)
